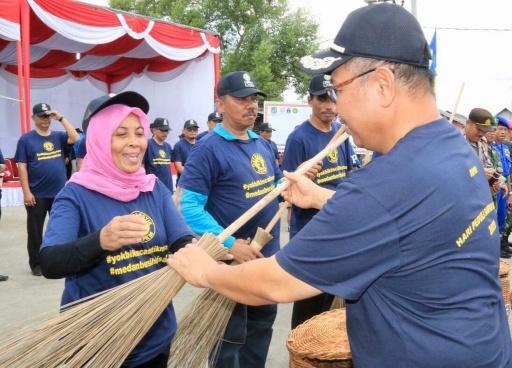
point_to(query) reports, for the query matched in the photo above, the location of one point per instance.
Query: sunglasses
(191, 129)
(333, 91)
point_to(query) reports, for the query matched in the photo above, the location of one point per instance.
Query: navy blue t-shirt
(157, 160)
(181, 151)
(202, 134)
(78, 211)
(304, 143)
(273, 146)
(234, 174)
(44, 156)
(81, 148)
(412, 240)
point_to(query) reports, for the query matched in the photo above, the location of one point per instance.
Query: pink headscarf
(98, 172)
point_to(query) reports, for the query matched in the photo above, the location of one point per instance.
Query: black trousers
(310, 307)
(35, 222)
(160, 361)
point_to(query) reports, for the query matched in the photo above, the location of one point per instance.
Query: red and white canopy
(72, 42)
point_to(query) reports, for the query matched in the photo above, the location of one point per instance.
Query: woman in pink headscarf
(112, 223)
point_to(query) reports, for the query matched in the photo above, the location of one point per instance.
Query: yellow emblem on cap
(332, 157)
(150, 226)
(161, 153)
(258, 164)
(48, 146)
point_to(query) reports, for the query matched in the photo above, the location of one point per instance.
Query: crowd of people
(410, 240)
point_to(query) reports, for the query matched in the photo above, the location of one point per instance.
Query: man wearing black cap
(480, 121)
(183, 147)
(303, 143)
(411, 239)
(41, 165)
(265, 131)
(213, 119)
(157, 159)
(227, 173)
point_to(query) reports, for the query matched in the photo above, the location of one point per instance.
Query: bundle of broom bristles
(102, 330)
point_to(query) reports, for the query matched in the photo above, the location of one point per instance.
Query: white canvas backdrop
(186, 92)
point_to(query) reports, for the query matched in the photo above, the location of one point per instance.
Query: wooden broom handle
(276, 217)
(337, 140)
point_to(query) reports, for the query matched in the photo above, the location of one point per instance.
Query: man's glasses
(191, 129)
(333, 91)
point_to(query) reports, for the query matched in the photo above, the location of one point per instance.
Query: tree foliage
(261, 36)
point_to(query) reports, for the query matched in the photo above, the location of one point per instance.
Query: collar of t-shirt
(227, 135)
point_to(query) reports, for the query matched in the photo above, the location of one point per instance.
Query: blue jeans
(247, 339)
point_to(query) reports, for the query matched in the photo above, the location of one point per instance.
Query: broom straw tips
(102, 331)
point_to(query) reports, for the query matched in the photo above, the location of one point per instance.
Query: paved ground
(25, 298)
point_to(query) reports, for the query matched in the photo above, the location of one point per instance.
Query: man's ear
(219, 104)
(386, 84)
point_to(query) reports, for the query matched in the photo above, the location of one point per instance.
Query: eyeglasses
(333, 91)
(191, 129)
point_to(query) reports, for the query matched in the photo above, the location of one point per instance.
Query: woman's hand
(121, 231)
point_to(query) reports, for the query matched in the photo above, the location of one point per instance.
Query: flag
(433, 51)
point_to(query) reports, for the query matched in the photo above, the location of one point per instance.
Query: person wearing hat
(480, 121)
(40, 156)
(213, 119)
(81, 148)
(157, 159)
(502, 197)
(303, 143)
(113, 223)
(183, 147)
(411, 239)
(265, 131)
(227, 173)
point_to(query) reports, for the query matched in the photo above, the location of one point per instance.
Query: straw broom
(104, 329)
(202, 327)
(204, 324)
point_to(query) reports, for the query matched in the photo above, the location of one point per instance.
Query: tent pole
(216, 71)
(21, 93)
(25, 43)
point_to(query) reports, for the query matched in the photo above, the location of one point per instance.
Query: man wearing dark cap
(411, 239)
(303, 143)
(183, 147)
(213, 119)
(480, 121)
(157, 159)
(265, 131)
(42, 169)
(227, 173)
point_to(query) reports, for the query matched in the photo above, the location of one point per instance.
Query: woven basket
(505, 284)
(321, 342)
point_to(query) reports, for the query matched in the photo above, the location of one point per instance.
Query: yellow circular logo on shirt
(48, 146)
(161, 153)
(150, 226)
(258, 164)
(333, 157)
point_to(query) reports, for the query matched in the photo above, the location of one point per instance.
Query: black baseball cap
(266, 127)
(41, 109)
(93, 105)
(190, 124)
(320, 84)
(216, 116)
(128, 98)
(238, 84)
(160, 124)
(378, 31)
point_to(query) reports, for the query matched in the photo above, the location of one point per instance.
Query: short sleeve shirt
(304, 143)
(181, 151)
(417, 256)
(234, 174)
(44, 156)
(78, 211)
(157, 160)
(81, 149)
